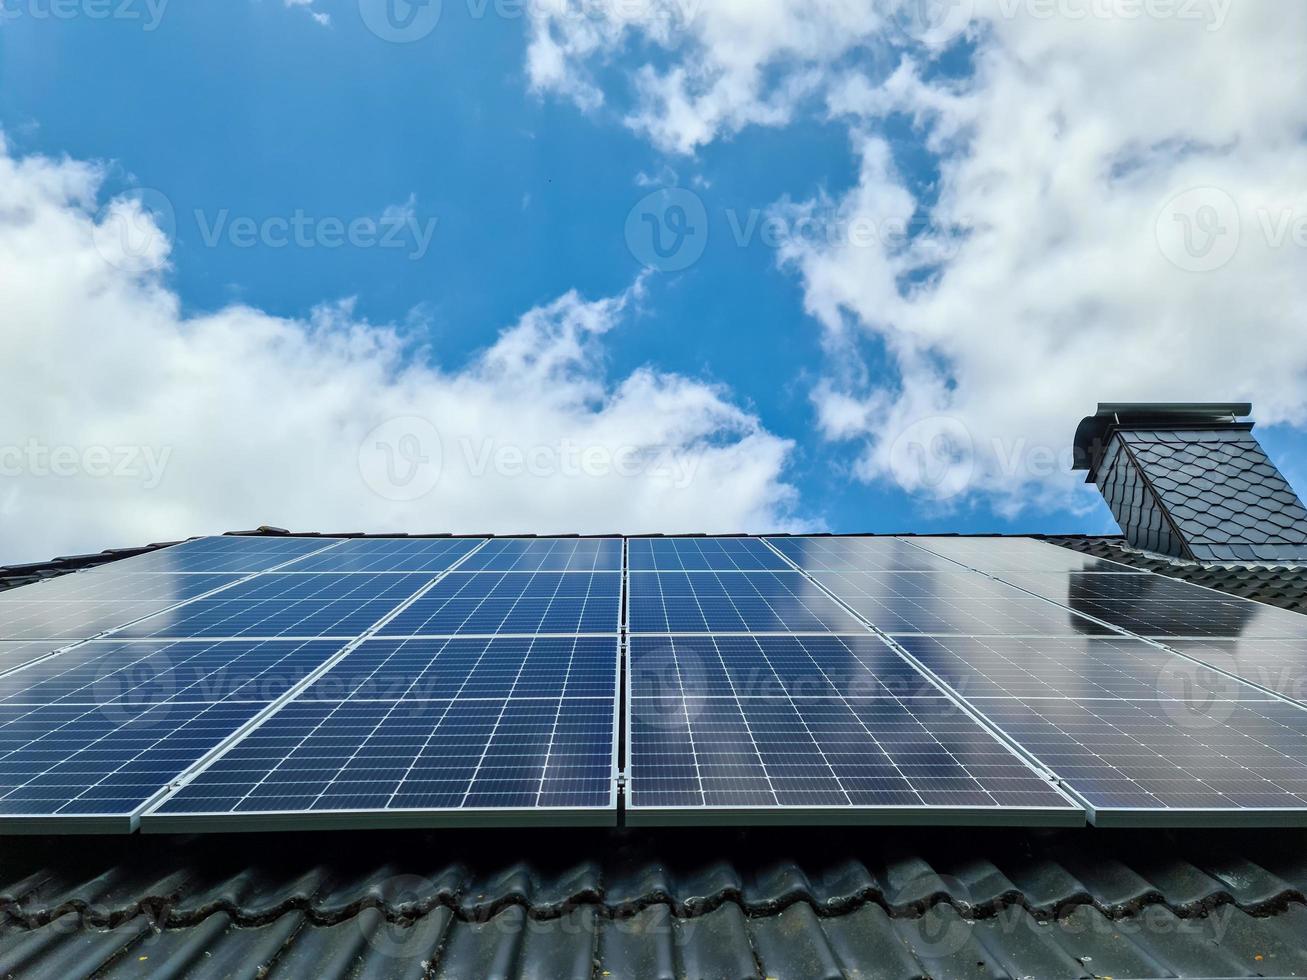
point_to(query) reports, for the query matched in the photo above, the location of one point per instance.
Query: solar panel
(231, 554)
(858, 554)
(702, 554)
(89, 737)
(421, 732)
(110, 597)
(68, 621)
(16, 654)
(1071, 587)
(1142, 736)
(732, 602)
(547, 555)
(1278, 665)
(490, 603)
(993, 555)
(829, 729)
(950, 603)
(1198, 618)
(106, 585)
(277, 604)
(388, 555)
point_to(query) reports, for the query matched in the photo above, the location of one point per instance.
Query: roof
(665, 904)
(689, 903)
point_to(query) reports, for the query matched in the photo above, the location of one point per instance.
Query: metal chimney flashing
(1094, 434)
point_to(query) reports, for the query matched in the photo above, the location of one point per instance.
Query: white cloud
(257, 419)
(1052, 274)
(1049, 268)
(307, 5)
(741, 62)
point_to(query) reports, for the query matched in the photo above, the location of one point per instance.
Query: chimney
(1191, 481)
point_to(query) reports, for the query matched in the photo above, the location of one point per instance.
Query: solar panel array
(487, 695)
(756, 696)
(294, 682)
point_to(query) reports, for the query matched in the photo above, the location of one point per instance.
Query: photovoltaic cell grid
(896, 582)
(1134, 731)
(833, 727)
(99, 600)
(995, 555)
(859, 554)
(16, 654)
(950, 603)
(547, 555)
(732, 602)
(90, 736)
(232, 555)
(494, 603)
(450, 729)
(1277, 664)
(278, 604)
(702, 554)
(388, 555)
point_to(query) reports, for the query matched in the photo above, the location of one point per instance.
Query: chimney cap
(1094, 431)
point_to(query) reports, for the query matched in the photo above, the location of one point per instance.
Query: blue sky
(258, 110)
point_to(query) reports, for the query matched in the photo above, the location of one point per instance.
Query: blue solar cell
(388, 555)
(16, 654)
(993, 555)
(859, 554)
(428, 725)
(1277, 664)
(1214, 618)
(732, 602)
(1071, 587)
(927, 602)
(68, 621)
(235, 554)
(547, 555)
(1131, 728)
(108, 584)
(810, 723)
(703, 554)
(100, 729)
(489, 603)
(142, 672)
(770, 666)
(444, 669)
(288, 605)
